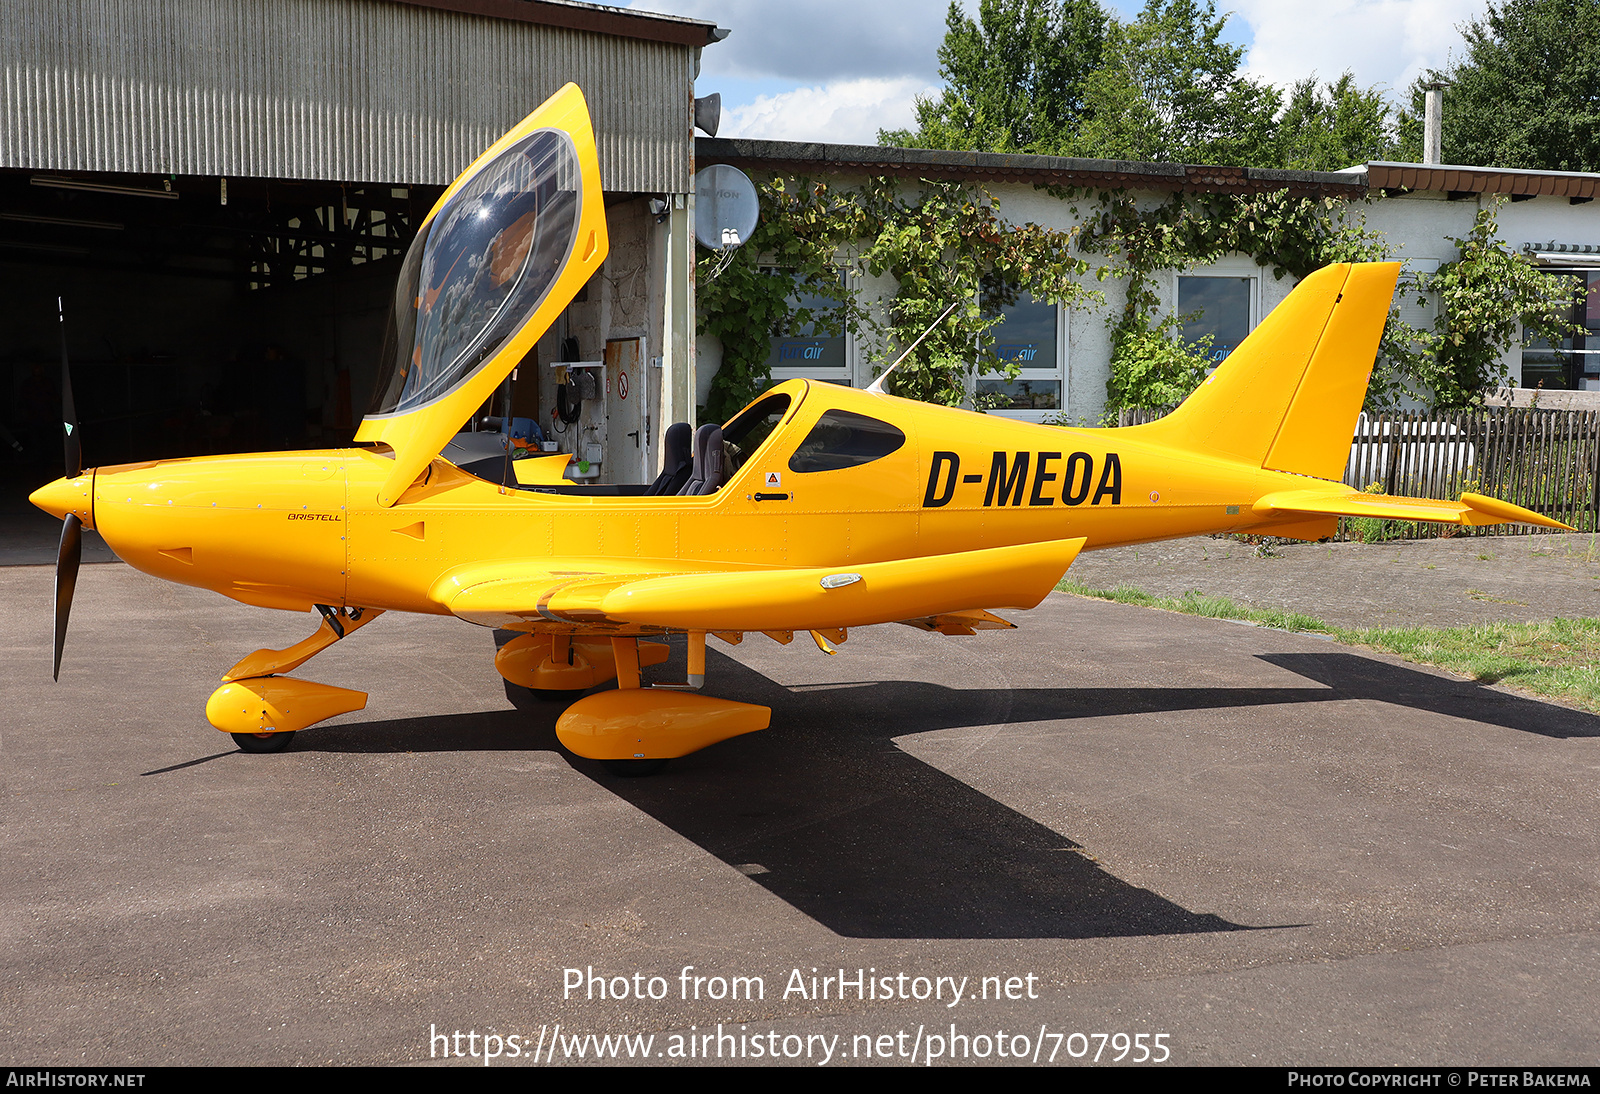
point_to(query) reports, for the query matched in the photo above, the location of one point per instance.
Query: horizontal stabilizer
(1473, 510)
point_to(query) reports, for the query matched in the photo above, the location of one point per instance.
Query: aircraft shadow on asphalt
(828, 814)
(1352, 676)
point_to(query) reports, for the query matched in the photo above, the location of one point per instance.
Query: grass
(1195, 602)
(1555, 659)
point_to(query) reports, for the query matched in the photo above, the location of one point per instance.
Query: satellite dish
(725, 207)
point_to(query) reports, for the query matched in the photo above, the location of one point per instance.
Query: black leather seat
(678, 461)
(708, 473)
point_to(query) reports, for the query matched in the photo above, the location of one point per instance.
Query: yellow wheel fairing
(278, 704)
(648, 723)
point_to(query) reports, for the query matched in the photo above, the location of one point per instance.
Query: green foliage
(940, 243)
(1524, 93)
(1487, 297)
(1195, 602)
(1554, 658)
(944, 242)
(1066, 78)
(801, 226)
(1403, 356)
(1170, 91)
(937, 249)
(1329, 127)
(1014, 78)
(1153, 367)
(1293, 235)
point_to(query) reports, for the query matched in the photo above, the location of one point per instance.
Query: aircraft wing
(1472, 510)
(681, 596)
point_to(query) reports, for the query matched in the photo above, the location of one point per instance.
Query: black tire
(262, 742)
(633, 769)
(556, 695)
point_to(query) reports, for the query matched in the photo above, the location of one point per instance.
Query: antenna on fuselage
(876, 387)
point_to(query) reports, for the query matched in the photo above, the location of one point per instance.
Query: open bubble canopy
(478, 271)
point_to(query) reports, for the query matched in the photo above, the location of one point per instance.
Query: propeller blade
(69, 412)
(68, 555)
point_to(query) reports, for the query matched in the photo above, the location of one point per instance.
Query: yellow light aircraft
(816, 509)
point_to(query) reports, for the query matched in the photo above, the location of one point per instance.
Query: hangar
(220, 192)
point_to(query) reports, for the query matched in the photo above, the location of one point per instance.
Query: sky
(840, 70)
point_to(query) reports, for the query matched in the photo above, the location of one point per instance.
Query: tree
(1064, 77)
(1169, 90)
(1014, 78)
(1527, 93)
(1332, 126)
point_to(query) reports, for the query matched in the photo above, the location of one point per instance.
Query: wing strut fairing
(817, 509)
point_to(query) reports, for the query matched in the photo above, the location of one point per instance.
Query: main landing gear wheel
(557, 695)
(264, 742)
(633, 769)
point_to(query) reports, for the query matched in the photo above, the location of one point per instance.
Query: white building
(1066, 353)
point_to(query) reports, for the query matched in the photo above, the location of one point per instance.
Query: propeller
(69, 412)
(70, 551)
(68, 555)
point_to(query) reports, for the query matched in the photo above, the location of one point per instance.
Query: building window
(1575, 362)
(1217, 306)
(821, 349)
(1030, 335)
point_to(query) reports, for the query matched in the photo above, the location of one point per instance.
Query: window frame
(1235, 268)
(846, 373)
(1056, 372)
(1578, 367)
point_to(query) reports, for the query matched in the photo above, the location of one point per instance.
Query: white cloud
(1387, 42)
(819, 39)
(841, 112)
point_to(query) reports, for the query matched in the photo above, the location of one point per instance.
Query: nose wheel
(262, 742)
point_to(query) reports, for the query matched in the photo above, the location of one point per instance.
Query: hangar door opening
(203, 314)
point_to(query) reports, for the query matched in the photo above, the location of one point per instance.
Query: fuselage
(293, 529)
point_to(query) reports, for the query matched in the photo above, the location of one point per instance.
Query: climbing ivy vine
(1488, 298)
(791, 254)
(940, 243)
(945, 241)
(1151, 365)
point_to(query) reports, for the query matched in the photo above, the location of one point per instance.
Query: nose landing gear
(262, 710)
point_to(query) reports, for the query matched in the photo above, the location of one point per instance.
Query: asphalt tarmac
(1231, 845)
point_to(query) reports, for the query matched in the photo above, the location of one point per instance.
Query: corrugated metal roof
(795, 157)
(344, 90)
(649, 25)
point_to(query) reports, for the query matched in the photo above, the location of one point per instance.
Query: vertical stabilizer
(1315, 436)
(1287, 399)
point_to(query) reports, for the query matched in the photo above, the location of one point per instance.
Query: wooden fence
(1544, 460)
